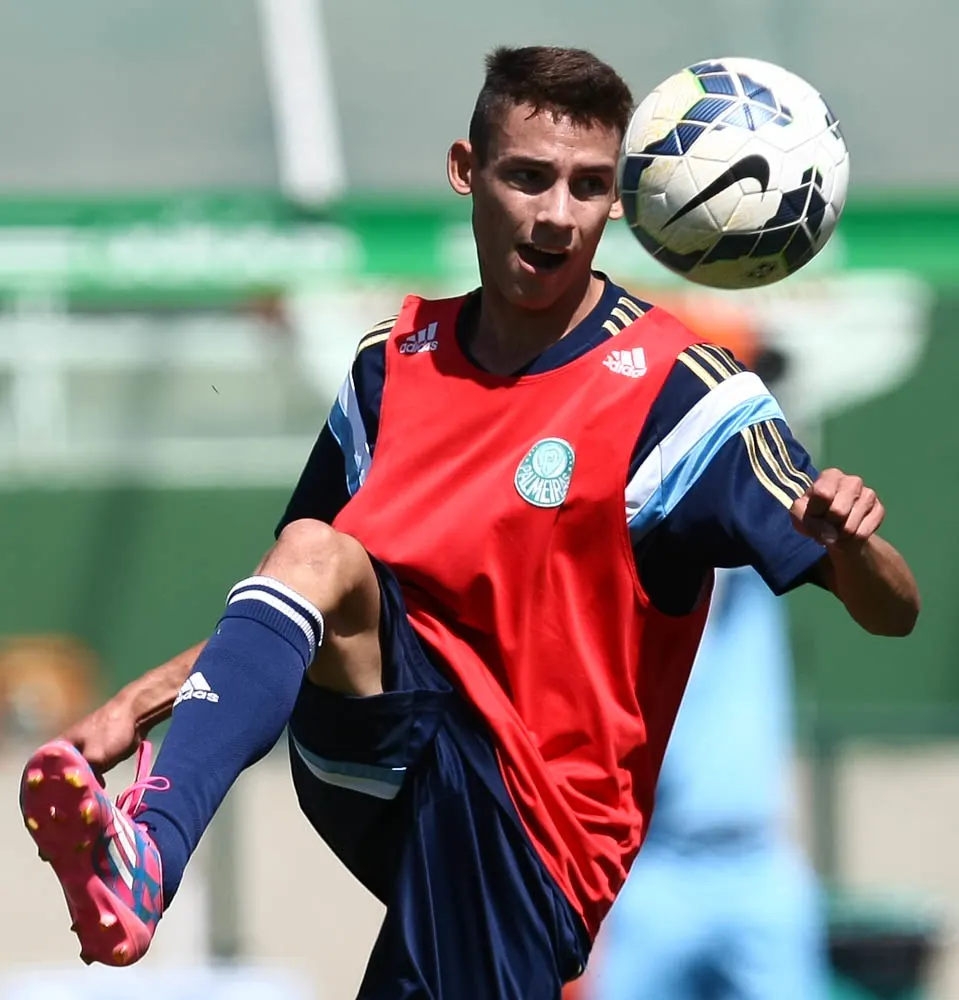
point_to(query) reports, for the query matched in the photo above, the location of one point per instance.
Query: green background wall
(907, 445)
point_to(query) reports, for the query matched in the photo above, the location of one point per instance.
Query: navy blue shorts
(405, 788)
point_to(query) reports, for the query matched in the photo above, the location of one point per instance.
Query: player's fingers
(847, 495)
(871, 522)
(822, 492)
(863, 506)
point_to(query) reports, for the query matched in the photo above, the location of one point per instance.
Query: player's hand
(838, 509)
(106, 736)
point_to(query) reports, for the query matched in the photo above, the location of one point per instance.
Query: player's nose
(555, 209)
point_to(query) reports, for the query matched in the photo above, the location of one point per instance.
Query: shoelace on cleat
(130, 800)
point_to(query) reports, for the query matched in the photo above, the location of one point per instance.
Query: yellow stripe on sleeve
(697, 369)
(749, 437)
(786, 458)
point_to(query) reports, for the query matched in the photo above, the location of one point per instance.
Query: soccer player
(486, 592)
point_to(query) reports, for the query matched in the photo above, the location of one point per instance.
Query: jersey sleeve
(714, 475)
(341, 457)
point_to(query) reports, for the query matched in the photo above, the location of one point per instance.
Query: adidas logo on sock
(423, 340)
(632, 363)
(196, 688)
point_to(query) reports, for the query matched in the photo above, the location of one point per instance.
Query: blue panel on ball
(760, 115)
(786, 111)
(773, 241)
(739, 116)
(732, 246)
(718, 83)
(629, 200)
(667, 146)
(633, 170)
(682, 262)
(707, 67)
(688, 134)
(795, 203)
(799, 250)
(817, 209)
(708, 109)
(758, 92)
(792, 205)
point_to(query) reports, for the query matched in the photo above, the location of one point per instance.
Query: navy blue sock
(229, 713)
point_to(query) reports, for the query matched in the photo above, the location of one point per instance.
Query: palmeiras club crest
(543, 477)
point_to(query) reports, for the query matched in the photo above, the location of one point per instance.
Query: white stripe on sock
(280, 605)
(291, 595)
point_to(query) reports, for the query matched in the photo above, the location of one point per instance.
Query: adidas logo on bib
(632, 363)
(418, 343)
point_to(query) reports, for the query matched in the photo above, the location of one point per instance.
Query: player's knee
(328, 568)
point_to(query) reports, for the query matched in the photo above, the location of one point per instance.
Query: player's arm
(334, 471)
(862, 569)
(744, 503)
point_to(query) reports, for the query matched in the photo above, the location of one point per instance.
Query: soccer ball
(733, 173)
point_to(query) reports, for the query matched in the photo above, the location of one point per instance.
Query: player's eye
(592, 187)
(527, 179)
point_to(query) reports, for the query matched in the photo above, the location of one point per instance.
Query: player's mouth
(539, 260)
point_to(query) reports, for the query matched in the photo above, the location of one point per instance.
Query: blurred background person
(720, 903)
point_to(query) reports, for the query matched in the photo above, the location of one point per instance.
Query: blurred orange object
(46, 682)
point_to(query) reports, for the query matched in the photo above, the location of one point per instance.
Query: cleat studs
(86, 959)
(34, 778)
(33, 824)
(75, 927)
(86, 812)
(120, 954)
(53, 812)
(108, 920)
(74, 777)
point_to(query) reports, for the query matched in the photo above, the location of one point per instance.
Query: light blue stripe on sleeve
(680, 474)
(346, 425)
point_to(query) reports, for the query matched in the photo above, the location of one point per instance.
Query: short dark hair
(567, 83)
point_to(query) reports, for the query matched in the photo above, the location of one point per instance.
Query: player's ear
(459, 166)
(616, 211)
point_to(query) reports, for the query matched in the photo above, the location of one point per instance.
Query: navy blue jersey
(738, 483)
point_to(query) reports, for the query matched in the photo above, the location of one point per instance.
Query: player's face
(540, 203)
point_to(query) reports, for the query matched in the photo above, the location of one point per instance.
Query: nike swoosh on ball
(754, 166)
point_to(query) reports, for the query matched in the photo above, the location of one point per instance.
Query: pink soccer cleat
(107, 864)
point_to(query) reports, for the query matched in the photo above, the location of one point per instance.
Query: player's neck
(507, 337)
